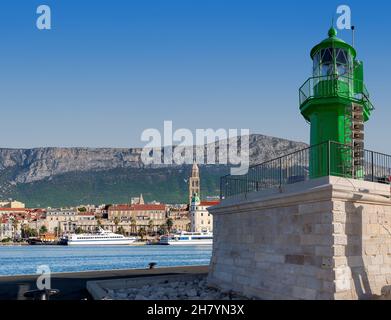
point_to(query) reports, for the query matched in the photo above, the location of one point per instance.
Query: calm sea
(22, 260)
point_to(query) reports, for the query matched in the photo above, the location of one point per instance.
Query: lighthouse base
(324, 239)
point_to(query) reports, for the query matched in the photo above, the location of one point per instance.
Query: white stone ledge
(322, 189)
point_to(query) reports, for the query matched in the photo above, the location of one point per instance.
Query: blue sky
(110, 69)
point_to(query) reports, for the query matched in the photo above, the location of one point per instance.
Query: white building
(12, 204)
(64, 220)
(200, 218)
(6, 228)
(68, 220)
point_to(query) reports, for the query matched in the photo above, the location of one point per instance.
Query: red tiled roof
(36, 210)
(86, 214)
(139, 207)
(120, 207)
(7, 219)
(144, 207)
(14, 209)
(209, 203)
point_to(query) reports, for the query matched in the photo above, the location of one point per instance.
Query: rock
(143, 292)
(160, 291)
(192, 293)
(175, 290)
(121, 295)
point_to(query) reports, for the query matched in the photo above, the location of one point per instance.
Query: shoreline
(136, 244)
(80, 273)
(73, 285)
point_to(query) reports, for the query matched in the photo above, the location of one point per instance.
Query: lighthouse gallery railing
(295, 167)
(335, 86)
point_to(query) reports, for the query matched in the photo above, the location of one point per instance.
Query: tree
(169, 224)
(121, 230)
(99, 223)
(133, 223)
(116, 222)
(142, 233)
(32, 233)
(78, 230)
(26, 231)
(162, 229)
(43, 229)
(82, 209)
(15, 224)
(151, 225)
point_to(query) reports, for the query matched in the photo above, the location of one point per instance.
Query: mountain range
(56, 177)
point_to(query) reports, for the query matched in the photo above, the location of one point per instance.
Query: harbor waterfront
(24, 260)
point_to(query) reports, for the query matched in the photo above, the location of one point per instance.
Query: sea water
(23, 260)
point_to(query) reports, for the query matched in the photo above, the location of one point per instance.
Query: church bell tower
(194, 182)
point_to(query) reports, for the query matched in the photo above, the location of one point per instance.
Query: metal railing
(326, 159)
(335, 86)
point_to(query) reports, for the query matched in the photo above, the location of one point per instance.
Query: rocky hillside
(68, 176)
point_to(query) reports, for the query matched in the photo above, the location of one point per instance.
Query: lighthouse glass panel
(343, 63)
(327, 67)
(316, 69)
(331, 61)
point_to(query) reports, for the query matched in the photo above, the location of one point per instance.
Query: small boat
(188, 238)
(33, 241)
(102, 237)
(43, 239)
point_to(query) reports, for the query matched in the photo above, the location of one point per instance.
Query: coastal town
(148, 221)
(194, 159)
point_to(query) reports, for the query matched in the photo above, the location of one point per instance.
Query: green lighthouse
(336, 103)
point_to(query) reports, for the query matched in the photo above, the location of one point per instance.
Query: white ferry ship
(102, 237)
(188, 238)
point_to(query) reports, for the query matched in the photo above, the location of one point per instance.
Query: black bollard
(41, 294)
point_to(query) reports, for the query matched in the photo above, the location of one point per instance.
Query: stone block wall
(328, 239)
(362, 258)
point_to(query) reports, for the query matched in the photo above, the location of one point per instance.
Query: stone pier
(324, 239)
